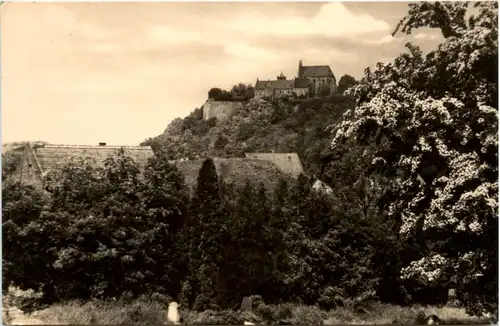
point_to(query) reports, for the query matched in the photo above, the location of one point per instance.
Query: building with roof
(322, 81)
(268, 168)
(236, 171)
(37, 160)
(287, 163)
(311, 81)
(265, 168)
(282, 87)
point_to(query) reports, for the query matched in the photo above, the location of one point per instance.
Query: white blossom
(459, 127)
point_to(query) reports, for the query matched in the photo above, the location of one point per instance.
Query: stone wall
(301, 91)
(220, 110)
(318, 82)
(280, 93)
(267, 92)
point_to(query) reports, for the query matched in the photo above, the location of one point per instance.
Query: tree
(246, 266)
(214, 93)
(166, 200)
(105, 231)
(10, 161)
(208, 183)
(205, 230)
(434, 118)
(345, 83)
(21, 204)
(242, 91)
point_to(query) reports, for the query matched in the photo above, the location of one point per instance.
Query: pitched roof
(55, 156)
(9, 148)
(261, 84)
(275, 84)
(315, 71)
(236, 170)
(301, 83)
(288, 163)
(282, 84)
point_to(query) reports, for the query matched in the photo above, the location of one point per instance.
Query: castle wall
(318, 82)
(280, 93)
(267, 92)
(301, 91)
(220, 109)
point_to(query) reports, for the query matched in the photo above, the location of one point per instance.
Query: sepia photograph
(249, 163)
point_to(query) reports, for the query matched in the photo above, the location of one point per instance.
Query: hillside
(261, 126)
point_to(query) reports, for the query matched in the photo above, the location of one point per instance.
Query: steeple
(299, 73)
(281, 76)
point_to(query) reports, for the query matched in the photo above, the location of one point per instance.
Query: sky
(89, 72)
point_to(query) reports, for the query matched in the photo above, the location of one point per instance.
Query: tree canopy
(434, 118)
(345, 82)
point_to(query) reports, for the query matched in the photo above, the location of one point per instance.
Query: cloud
(244, 50)
(332, 19)
(163, 34)
(62, 22)
(138, 65)
(383, 40)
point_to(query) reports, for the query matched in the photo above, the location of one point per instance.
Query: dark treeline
(240, 92)
(116, 231)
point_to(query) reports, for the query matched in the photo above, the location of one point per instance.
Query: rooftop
(54, 156)
(315, 71)
(234, 170)
(287, 163)
(282, 84)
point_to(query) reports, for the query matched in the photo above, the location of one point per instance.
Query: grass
(149, 311)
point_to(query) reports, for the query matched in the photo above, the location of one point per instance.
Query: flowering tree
(434, 120)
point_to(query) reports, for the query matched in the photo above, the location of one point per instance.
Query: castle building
(282, 87)
(322, 82)
(311, 81)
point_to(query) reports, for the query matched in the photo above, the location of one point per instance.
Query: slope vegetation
(260, 126)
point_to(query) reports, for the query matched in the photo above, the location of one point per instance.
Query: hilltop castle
(311, 81)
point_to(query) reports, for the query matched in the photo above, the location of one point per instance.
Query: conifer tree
(207, 232)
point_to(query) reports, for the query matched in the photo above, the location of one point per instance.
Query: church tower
(299, 73)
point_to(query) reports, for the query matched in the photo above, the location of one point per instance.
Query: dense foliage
(346, 82)
(100, 224)
(10, 161)
(115, 231)
(260, 126)
(240, 92)
(434, 119)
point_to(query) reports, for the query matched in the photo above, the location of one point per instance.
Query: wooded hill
(300, 126)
